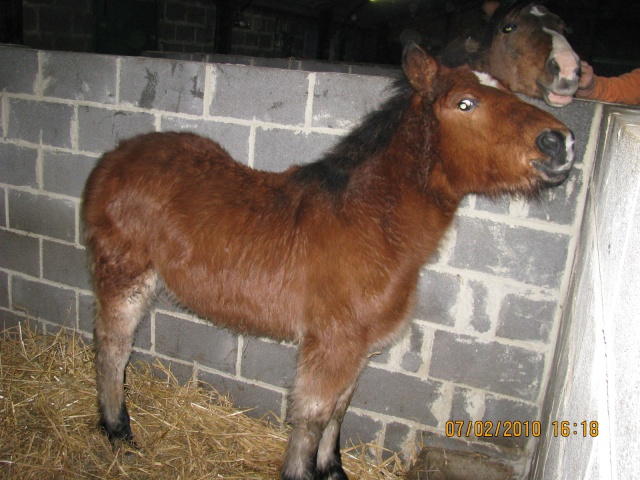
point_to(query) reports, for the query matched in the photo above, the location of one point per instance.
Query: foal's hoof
(126, 449)
(335, 472)
(130, 446)
(121, 438)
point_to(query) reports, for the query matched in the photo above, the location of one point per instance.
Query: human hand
(587, 79)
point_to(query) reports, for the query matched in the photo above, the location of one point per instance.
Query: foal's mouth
(550, 176)
(556, 99)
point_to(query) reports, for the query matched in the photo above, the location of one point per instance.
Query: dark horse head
(523, 45)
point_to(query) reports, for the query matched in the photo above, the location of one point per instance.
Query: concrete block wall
(489, 303)
(274, 34)
(183, 25)
(186, 25)
(260, 35)
(391, 71)
(56, 25)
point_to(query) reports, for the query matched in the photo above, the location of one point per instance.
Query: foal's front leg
(323, 387)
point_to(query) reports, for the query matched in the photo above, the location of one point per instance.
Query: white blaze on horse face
(561, 51)
(564, 56)
(486, 79)
(535, 10)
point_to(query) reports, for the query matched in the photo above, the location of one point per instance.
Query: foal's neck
(413, 164)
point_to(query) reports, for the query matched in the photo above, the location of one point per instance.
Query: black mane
(366, 140)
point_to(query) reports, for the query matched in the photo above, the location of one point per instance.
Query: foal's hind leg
(327, 371)
(121, 305)
(329, 463)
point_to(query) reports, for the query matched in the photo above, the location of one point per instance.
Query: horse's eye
(466, 104)
(509, 28)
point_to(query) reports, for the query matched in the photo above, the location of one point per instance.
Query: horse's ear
(419, 68)
(489, 7)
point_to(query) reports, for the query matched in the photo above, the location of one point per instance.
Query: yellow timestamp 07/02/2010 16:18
(511, 428)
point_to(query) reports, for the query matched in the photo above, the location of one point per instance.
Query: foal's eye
(466, 104)
(509, 28)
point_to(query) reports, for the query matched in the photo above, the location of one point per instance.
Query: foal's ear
(419, 68)
(489, 7)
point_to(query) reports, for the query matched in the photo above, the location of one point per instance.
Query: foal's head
(484, 139)
(526, 50)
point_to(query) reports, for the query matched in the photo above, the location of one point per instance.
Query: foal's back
(245, 247)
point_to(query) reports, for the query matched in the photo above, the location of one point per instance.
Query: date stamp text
(508, 428)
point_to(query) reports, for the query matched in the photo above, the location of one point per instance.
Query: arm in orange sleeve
(622, 89)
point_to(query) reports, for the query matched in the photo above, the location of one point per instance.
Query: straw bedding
(48, 423)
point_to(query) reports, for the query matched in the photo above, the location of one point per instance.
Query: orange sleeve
(622, 89)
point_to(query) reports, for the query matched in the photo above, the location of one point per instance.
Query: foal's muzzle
(558, 147)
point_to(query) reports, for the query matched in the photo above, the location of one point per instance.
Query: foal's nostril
(553, 67)
(550, 142)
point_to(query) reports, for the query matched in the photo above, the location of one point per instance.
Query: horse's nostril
(550, 142)
(559, 148)
(553, 67)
